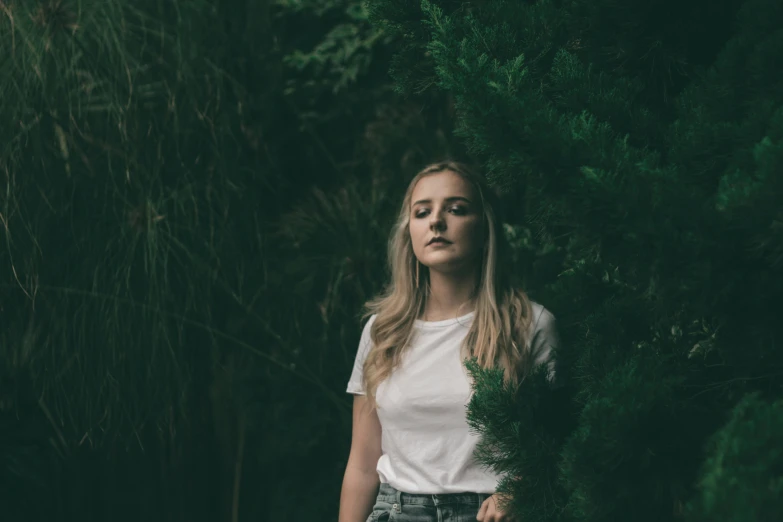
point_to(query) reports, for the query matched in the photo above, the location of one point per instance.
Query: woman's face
(444, 204)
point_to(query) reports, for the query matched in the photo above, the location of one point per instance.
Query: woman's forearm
(359, 491)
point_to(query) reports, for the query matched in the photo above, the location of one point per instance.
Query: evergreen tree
(640, 146)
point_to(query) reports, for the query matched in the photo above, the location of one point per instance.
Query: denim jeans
(392, 505)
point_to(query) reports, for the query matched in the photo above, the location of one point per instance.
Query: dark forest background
(195, 199)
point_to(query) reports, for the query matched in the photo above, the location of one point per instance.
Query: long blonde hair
(503, 313)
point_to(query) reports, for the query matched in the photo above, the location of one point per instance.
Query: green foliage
(516, 438)
(344, 53)
(645, 145)
(626, 444)
(742, 478)
(80, 118)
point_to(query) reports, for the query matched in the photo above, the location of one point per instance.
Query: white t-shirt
(427, 446)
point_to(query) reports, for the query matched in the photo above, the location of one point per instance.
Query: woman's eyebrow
(452, 198)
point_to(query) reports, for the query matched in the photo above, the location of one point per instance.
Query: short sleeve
(355, 385)
(544, 345)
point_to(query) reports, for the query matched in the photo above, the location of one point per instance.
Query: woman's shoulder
(370, 321)
(542, 317)
(538, 309)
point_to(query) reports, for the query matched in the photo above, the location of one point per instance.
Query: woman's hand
(490, 512)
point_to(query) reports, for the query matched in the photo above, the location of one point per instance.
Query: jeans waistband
(387, 493)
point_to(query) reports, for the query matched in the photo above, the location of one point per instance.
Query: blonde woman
(451, 296)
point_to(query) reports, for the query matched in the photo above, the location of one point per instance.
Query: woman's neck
(432, 313)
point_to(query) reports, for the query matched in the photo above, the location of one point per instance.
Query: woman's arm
(360, 482)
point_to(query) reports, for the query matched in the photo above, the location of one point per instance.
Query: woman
(450, 296)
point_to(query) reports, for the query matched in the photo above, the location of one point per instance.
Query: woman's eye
(459, 211)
